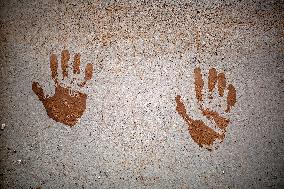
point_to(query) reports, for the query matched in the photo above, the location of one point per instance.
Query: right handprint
(206, 135)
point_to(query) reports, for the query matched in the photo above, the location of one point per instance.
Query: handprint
(200, 132)
(67, 105)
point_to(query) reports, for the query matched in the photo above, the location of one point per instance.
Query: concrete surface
(143, 54)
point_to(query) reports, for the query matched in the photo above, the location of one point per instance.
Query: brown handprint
(201, 133)
(67, 105)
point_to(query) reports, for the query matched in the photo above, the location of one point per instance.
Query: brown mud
(66, 105)
(199, 132)
(202, 134)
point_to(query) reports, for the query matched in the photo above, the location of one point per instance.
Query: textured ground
(144, 55)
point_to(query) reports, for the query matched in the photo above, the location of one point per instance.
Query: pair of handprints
(67, 105)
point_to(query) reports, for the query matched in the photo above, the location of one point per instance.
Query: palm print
(67, 105)
(199, 131)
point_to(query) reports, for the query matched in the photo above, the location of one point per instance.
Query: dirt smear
(199, 83)
(220, 121)
(202, 134)
(65, 56)
(221, 84)
(66, 105)
(231, 98)
(62, 107)
(212, 80)
(76, 64)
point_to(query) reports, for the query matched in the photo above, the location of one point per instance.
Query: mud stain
(202, 134)
(212, 80)
(76, 65)
(65, 56)
(66, 105)
(199, 83)
(221, 84)
(220, 121)
(231, 98)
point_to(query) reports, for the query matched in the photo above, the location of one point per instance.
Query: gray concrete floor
(143, 54)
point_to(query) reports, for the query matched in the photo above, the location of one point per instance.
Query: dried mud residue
(212, 80)
(198, 84)
(202, 134)
(66, 105)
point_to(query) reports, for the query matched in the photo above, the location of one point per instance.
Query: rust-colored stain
(221, 83)
(199, 83)
(202, 134)
(212, 79)
(231, 98)
(66, 105)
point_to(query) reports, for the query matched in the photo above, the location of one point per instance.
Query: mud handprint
(200, 132)
(67, 105)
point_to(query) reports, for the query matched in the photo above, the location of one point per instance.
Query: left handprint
(66, 105)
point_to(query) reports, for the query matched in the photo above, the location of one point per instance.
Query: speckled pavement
(143, 55)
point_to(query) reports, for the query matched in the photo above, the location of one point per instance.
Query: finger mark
(221, 84)
(203, 135)
(180, 108)
(65, 56)
(89, 72)
(53, 66)
(199, 83)
(220, 121)
(212, 79)
(76, 64)
(231, 98)
(37, 89)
